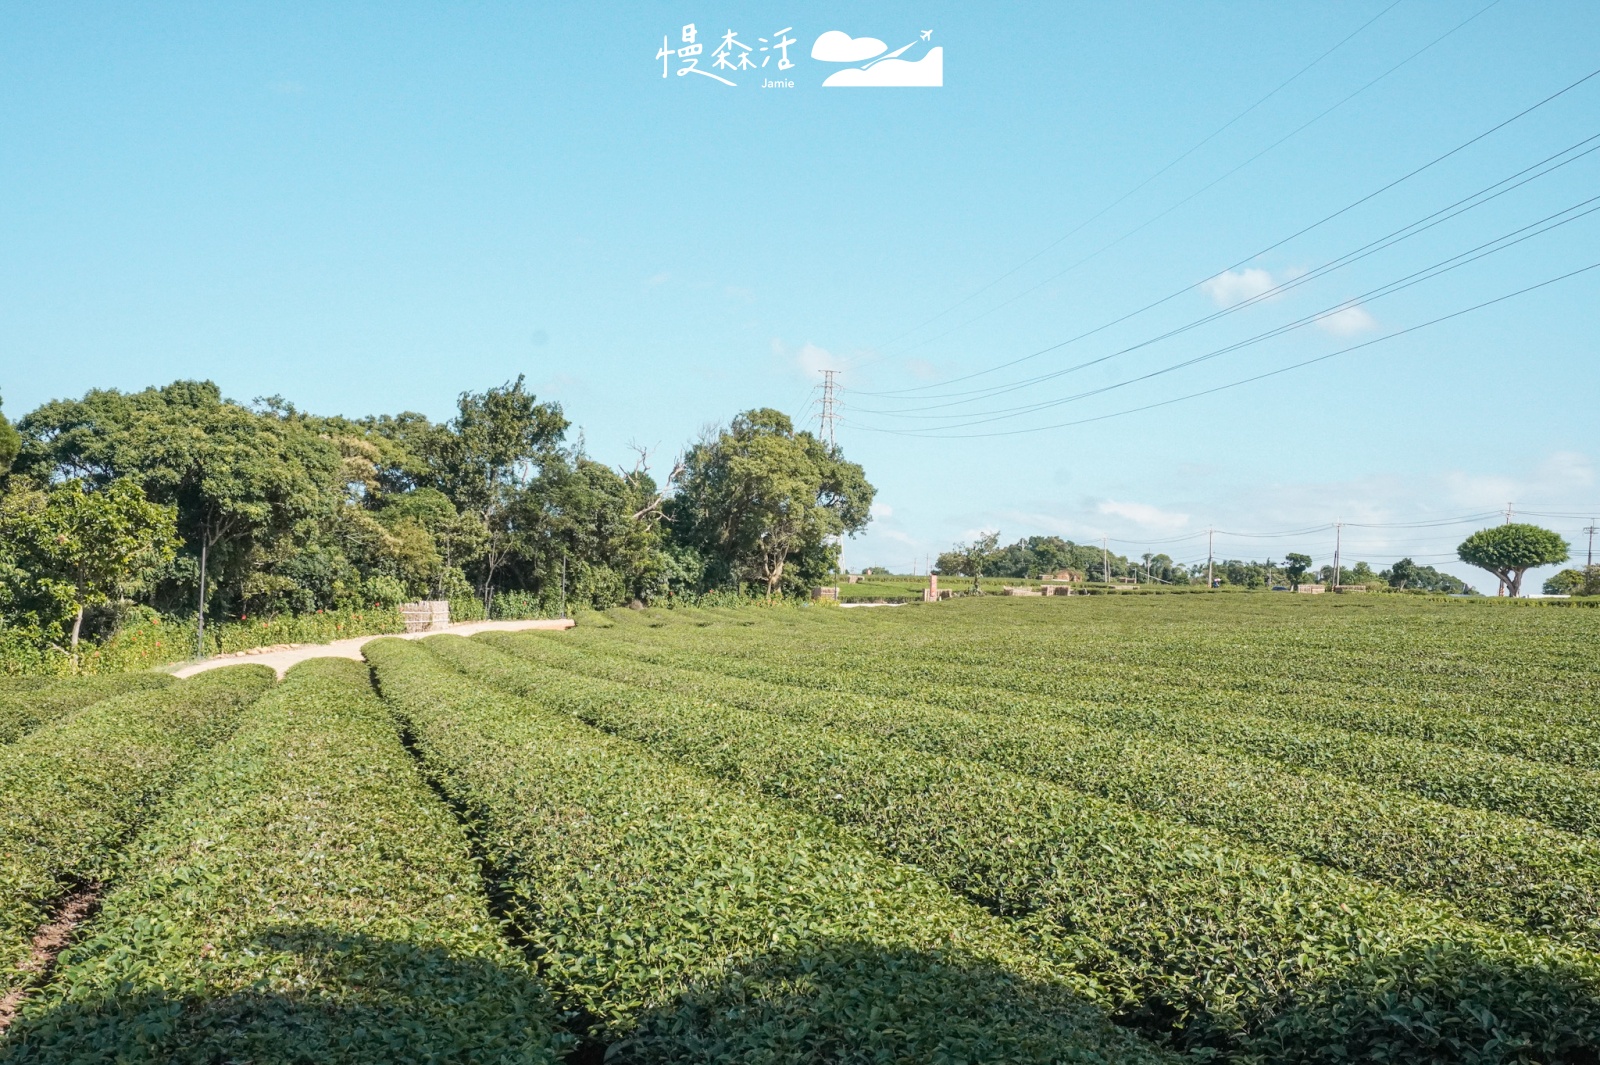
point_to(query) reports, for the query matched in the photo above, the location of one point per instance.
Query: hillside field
(1245, 828)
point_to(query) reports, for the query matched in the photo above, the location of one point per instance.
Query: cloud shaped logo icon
(837, 46)
(924, 73)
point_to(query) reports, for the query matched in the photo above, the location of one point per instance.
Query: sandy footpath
(351, 648)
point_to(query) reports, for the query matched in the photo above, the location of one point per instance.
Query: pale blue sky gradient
(371, 208)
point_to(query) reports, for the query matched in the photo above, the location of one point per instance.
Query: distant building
(1312, 589)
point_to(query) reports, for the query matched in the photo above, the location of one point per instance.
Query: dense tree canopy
(761, 501)
(70, 548)
(1508, 551)
(271, 510)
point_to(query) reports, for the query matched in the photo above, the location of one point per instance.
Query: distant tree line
(196, 505)
(1035, 556)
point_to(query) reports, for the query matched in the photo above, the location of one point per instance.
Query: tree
(1584, 581)
(87, 547)
(10, 444)
(971, 558)
(1295, 565)
(1508, 551)
(1401, 573)
(760, 497)
(248, 485)
(486, 459)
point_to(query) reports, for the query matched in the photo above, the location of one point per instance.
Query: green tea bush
(72, 792)
(689, 922)
(1225, 949)
(304, 897)
(1564, 797)
(24, 709)
(1493, 867)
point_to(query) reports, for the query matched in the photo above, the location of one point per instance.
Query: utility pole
(1210, 533)
(1338, 542)
(1508, 513)
(1105, 560)
(830, 413)
(1591, 528)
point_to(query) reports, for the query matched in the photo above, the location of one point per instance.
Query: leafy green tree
(1565, 582)
(1584, 581)
(972, 558)
(767, 502)
(1296, 565)
(10, 444)
(84, 547)
(1508, 551)
(487, 458)
(1401, 573)
(243, 481)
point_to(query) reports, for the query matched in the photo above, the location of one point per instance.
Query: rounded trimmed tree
(1508, 551)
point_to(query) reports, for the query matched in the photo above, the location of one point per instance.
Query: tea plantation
(1241, 828)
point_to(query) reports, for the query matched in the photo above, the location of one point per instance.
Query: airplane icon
(927, 35)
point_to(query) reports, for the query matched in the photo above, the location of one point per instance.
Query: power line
(1175, 161)
(1156, 218)
(1482, 196)
(1444, 266)
(1256, 377)
(1436, 160)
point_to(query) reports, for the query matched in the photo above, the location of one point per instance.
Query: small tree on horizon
(970, 559)
(1509, 551)
(1295, 565)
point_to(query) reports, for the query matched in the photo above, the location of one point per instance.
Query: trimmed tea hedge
(72, 792)
(305, 897)
(688, 922)
(1560, 796)
(1227, 949)
(1493, 867)
(22, 711)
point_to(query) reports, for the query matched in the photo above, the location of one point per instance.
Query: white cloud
(924, 73)
(1347, 322)
(837, 46)
(1235, 286)
(812, 360)
(1144, 514)
(882, 510)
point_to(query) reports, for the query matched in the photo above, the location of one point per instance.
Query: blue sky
(371, 208)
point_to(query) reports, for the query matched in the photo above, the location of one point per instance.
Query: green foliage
(10, 445)
(766, 502)
(1231, 949)
(1584, 581)
(77, 548)
(1295, 566)
(1508, 551)
(72, 792)
(23, 711)
(305, 897)
(1497, 868)
(971, 559)
(692, 923)
(1385, 746)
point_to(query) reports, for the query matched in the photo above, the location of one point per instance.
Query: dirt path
(281, 660)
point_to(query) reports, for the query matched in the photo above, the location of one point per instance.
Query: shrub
(1227, 949)
(72, 792)
(305, 897)
(23, 711)
(692, 923)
